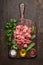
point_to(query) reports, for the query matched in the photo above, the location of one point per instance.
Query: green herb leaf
(14, 25)
(30, 46)
(7, 27)
(8, 35)
(14, 42)
(8, 31)
(10, 28)
(33, 37)
(11, 20)
(9, 39)
(15, 20)
(14, 47)
(10, 24)
(32, 29)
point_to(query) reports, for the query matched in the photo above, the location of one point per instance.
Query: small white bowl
(12, 53)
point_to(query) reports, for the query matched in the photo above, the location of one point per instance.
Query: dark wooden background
(10, 9)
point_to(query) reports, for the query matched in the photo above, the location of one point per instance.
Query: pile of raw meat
(22, 35)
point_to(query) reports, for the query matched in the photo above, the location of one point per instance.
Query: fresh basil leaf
(9, 24)
(14, 47)
(8, 35)
(9, 39)
(14, 25)
(33, 37)
(15, 20)
(7, 27)
(14, 42)
(8, 31)
(11, 20)
(14, 28)
(32, 30)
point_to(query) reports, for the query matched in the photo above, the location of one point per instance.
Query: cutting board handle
(22, 10)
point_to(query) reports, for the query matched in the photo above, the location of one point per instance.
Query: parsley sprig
(10, 27)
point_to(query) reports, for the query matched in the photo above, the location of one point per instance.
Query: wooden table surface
(10, 9)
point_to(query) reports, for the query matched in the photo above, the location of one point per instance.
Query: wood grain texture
(10, 9)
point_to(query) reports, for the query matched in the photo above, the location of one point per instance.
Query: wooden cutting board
(29, 23)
